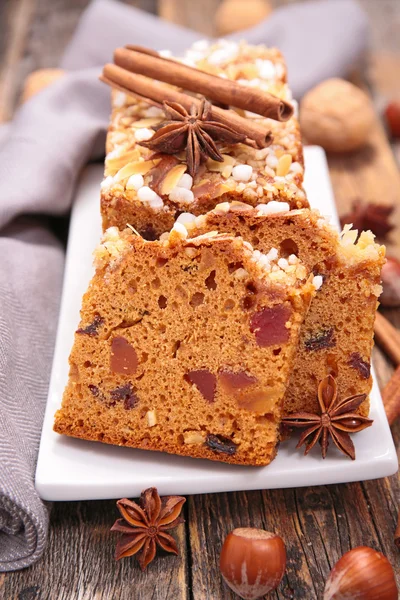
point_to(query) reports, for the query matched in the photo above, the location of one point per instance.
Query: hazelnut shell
(336, 115)
(252, 562)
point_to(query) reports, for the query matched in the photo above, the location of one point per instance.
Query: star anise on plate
(367, 215)
(337, 420)
(145, 526)
(192, 131)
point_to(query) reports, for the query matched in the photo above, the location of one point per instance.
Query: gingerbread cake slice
(148, 189)
(337, 334)
(185, 346)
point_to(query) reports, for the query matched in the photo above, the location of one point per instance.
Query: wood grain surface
(318, 524)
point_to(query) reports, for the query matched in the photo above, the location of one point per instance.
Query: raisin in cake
(337, 334)
(148, 190)
(185, 346)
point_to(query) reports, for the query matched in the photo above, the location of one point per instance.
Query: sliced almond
(172, 178)
(133, 168)
(283, 165)
(126, 121)
(147, 122)
(113, 165)
(227, 171)
(249, 71)
(216, 166)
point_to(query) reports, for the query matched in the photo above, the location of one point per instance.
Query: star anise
(145, 526)
(193, 131)
(367, 215)
(337, 419)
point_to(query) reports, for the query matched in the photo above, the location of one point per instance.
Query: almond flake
(216, 166)
(283, 166)
(132, 168)
(148, 122)
(113, 165)
(172, 179)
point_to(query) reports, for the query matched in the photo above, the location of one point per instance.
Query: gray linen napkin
(41, 155)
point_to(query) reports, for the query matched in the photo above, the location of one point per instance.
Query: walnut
(336, 115)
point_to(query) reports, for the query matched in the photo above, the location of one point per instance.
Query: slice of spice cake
(337, 334)
(185, 346)
(147, 188)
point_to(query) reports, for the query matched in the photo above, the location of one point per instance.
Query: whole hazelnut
(336, 115)
(392, 114)
(361, 573)
(252, 562)
(390, 275)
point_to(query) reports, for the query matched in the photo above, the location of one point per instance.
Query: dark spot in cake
(238, 380)
(250, 299)
(196, 299)
(210, 281)
(91, 329)
(175, 348)
(277, 351)
(95, 390)
(269, 325)
(123, 357)
(149, 233)
(361, 365)
(192, 268)
(125, 393)
(320, 340)
(218, 443)
(234, 266)
(205, 381)
(162, 302)
(288, 247)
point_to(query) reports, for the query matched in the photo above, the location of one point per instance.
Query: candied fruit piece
(238, 380)
(218, 443)
(260, 401)
(204, 381)
(320, 340)
(123, 357)
(125, 393)
(362, 366)
(269, 325)
(92, 328)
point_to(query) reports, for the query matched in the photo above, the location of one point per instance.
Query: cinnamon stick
(147, 89)
(391, 397)
(388, 338)
(397, 532)
(144, 62)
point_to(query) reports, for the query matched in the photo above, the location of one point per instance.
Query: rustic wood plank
(79, 563)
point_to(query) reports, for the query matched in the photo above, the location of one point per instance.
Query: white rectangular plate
(72, 469)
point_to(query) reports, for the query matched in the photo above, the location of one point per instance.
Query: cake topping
(193, 131)
(145, 526)
(337, 419)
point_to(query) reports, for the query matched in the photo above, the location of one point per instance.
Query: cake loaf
(185, 346)
(337, 334)
(149, 190)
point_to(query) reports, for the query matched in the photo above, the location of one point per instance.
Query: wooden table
(318, 524)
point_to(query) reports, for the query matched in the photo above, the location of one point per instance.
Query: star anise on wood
(193, 131)
(337, 420)
(145, 526)
(367, 215)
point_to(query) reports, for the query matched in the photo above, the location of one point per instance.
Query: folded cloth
(41, 154)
